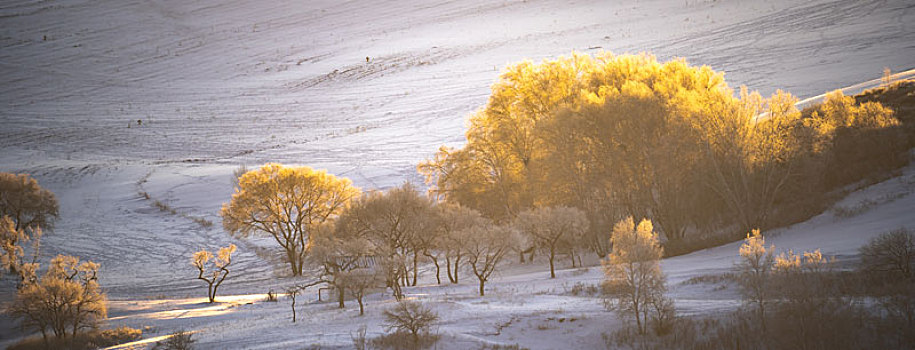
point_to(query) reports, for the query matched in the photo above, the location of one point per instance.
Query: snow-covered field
(217, 84)
(523, 305)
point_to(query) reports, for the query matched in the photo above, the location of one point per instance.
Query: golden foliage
(286, 203)
(65, 300)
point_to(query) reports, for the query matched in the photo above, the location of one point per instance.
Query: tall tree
(286, 203)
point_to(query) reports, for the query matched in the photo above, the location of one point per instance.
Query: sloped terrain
(115, 105)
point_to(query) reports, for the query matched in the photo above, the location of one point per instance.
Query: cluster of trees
(356, 241)
(618, 136)
(798, 300)
(67, 298)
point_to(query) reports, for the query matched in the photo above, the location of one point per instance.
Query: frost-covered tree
(633, 277)
(26, 203)
(394, 222)
(485, 247)
(360, 281)
(286, 203)
(453, 221)
(550, 227)
(337, 250)
(64, 301)
(754, 270)
(13, 249)
(213, 269)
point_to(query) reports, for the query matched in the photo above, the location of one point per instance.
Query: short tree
(65, 300)
(292, 293)
(754, 268)
(485, 247)
(551, 226)
(26, 203)
(286, 203)
(633, 276)
(337, 250)
(213, 269)
(891, 252)
(360, 281)
(410, 317)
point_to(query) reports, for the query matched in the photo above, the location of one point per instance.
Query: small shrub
(88, 340)
(405, 341)
(581, 288)
(358, 338)
(271, 296)
(892, 252)
(180, 340)
(411, 317)
(502, 347)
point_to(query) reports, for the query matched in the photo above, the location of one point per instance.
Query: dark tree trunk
(340, 297)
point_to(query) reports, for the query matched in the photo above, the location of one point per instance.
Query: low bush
(87, 340)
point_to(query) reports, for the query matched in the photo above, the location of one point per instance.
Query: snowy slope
(522, 306)
(222, 83)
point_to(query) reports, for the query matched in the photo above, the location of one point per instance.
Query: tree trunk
(481, 287)
(415, 269)
(438, 269)
(448, 269)
(210, 293)
(340, 296)
(361, 308)
(552, 269)
(293, 309)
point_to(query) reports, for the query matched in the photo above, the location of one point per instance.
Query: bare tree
(486, 246)
(292, 293)
(890, 252)
(410, 317)
(552, 226)
(453, 219)
(213, 269)
(286, 203)
(360, 281)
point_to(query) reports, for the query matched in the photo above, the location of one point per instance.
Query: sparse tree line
(355, 242)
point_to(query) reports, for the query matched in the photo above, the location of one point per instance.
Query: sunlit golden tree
(286, 203)
(633, 277)
(213, 269)
(64, 301)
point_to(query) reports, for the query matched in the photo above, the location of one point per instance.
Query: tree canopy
(286, 203)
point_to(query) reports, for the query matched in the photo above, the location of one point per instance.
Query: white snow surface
(217, 84)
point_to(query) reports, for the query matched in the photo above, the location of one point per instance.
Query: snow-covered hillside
(522, 305)
(103, 101)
